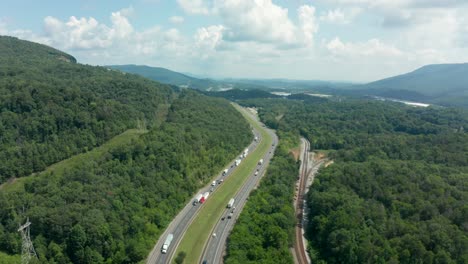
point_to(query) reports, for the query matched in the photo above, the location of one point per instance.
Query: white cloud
(209, 37)
(308, 22)
(260, 20)
(176, 19)
(198, 7)
(370, 48)
(338, 16)
(265, 22)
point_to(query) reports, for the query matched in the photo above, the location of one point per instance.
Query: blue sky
(352, 40)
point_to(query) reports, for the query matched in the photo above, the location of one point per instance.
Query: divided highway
(214, 249)
(182, 221)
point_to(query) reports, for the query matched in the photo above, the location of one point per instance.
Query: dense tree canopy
(52, 108)
(397, 189)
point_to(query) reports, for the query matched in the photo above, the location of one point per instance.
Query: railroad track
(299, 248)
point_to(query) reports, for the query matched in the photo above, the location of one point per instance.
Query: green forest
(264, 231)
(397, 190)
(113, 207)
(52, 107)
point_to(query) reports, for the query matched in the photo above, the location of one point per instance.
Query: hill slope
(52, 108)
(441, 83)
(166, 76)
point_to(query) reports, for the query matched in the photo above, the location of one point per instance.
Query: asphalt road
(214, 249)
(182, 221)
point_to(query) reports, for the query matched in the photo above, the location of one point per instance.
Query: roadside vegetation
(396, 192)
(264, 232)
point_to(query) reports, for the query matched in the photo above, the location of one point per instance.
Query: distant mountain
(169, 77)
(445, 84)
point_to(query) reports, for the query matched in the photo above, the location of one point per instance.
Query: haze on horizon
(352, 40)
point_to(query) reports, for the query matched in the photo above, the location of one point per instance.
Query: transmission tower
(27, 251)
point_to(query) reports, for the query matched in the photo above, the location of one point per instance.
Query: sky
(340, 40)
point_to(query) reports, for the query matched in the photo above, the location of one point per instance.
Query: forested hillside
(52, 108)
(109, 207)
(114, 208)
(396, 192)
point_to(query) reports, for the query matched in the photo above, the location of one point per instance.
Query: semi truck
(231, 203)
(167, 243)
(197, 199)
(204, 197)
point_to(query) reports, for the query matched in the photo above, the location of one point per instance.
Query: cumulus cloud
(209, 37)
(338, 16)
(87, 33)
(265, 22)
(176, 19)
(198, 7)
(308, 22)
(372, 47)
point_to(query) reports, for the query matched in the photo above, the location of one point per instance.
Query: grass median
(200, 229)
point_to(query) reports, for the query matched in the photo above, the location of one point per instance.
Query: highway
(215, 247)
(183, 220)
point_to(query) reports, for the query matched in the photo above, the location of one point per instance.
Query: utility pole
(27, 250)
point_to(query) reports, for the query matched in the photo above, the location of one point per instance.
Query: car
(222, 218)
(213, 183)
(205, 262)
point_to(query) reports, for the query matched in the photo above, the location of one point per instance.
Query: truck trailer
(204, 197)
(231, 203)
(167, 243)
(197, 199)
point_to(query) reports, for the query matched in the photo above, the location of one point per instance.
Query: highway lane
(181, 222)
(214, 249)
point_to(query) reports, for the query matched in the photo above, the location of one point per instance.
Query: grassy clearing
(199, 231)
(77, 160)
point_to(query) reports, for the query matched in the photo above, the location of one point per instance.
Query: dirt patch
(328, 163)
(320, 155)
(295, 152)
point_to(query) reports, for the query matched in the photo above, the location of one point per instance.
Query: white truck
(260, 162)
(231, 203)
(246, 151)
(204, 197)
(197, 199)
(167, 243)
